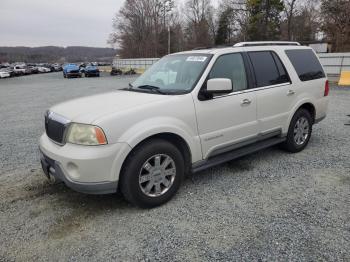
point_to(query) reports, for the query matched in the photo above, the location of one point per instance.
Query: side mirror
(219, 86)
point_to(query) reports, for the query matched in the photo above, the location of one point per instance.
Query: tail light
(326, 88)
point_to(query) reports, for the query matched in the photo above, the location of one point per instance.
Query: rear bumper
(53, 171)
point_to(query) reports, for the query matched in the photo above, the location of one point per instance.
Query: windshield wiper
(152, 88)
(130, 87)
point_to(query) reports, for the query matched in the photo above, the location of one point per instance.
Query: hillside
(56, 54)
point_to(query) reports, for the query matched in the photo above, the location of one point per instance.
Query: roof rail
(266, 43)
(212, 47)
(202, 47)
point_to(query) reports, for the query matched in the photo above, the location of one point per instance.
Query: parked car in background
(130, 72)
(91, 71)
(22, 70)
(9, 70)
(116, 71)
(56, 67)
(82, 68)
(71, 70)
(43, 69)
(4, 73)
(34, 69)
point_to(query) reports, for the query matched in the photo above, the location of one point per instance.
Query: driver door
(226, 122)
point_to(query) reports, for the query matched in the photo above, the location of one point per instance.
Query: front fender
(150, 127)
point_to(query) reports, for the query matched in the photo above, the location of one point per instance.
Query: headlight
(83, 134)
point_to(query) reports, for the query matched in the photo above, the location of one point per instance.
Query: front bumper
(87, 169)
(92, 73)
(70, 74)
(54, 172)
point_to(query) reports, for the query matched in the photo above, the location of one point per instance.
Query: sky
(59, 23)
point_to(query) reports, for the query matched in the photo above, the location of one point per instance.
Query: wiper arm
(128, 88)
(152, 88)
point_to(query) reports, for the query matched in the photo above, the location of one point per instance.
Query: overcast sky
(59, 23)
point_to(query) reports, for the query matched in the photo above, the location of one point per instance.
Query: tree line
(142, 28)
(54, 54)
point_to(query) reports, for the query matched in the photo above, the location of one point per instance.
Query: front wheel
(299, 132)
(152, 174)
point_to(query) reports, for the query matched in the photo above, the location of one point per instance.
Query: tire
(298, 138)
(144, 157)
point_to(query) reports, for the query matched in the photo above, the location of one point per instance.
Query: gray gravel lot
(270, 205)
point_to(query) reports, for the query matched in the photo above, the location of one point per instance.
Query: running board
(237, 153)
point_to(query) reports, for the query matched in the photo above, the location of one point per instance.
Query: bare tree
(139, 28)
(199, 28)
(336, 23)
(290, 10)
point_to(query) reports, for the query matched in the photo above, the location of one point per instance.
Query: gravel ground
(270, 205)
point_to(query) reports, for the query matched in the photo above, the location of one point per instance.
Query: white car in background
(21, 70)
(4, 73)
(188, 112)
(42, 69)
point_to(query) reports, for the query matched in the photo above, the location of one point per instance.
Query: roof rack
(212, 47)
(266, 43)
(202, 47)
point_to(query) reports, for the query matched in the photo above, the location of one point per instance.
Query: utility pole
(168, 6)
(169, 38)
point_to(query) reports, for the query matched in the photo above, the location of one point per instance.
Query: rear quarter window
(306, 64)
(268, 68)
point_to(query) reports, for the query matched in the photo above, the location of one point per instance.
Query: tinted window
(306, 64)
(265, 68)
(284, 77)
(230, 66)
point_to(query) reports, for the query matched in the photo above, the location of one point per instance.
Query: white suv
(189, 111)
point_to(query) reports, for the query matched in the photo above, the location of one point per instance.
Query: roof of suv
(247, 46)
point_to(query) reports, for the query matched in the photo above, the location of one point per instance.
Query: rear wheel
(299, 132)
(152, 174)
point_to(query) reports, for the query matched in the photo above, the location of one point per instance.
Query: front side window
(231, 66)
(306, 64)
(265, 68)
(173, 73)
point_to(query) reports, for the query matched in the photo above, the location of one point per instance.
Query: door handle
(246, 102)
(290, 92)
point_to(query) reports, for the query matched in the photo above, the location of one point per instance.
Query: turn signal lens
(100, 136)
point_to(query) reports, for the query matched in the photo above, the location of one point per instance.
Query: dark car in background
(71, 70)
(91, 70)
(116, 71)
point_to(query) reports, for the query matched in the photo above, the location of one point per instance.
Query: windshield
(174, 73)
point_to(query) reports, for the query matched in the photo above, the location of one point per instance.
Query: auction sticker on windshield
(196, 58)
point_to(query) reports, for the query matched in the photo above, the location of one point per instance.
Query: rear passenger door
(274, 92)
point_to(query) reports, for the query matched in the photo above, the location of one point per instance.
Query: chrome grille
(55, 127)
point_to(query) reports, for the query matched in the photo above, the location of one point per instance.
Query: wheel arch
(175, 139)
(305, 104)
(310, 108)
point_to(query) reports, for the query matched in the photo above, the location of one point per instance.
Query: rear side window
(284, 77)
(230, 66)
(268, 68)
(306, 64)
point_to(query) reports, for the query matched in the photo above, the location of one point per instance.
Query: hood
(91, 108)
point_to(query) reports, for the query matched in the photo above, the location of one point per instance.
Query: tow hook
(52, 179)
